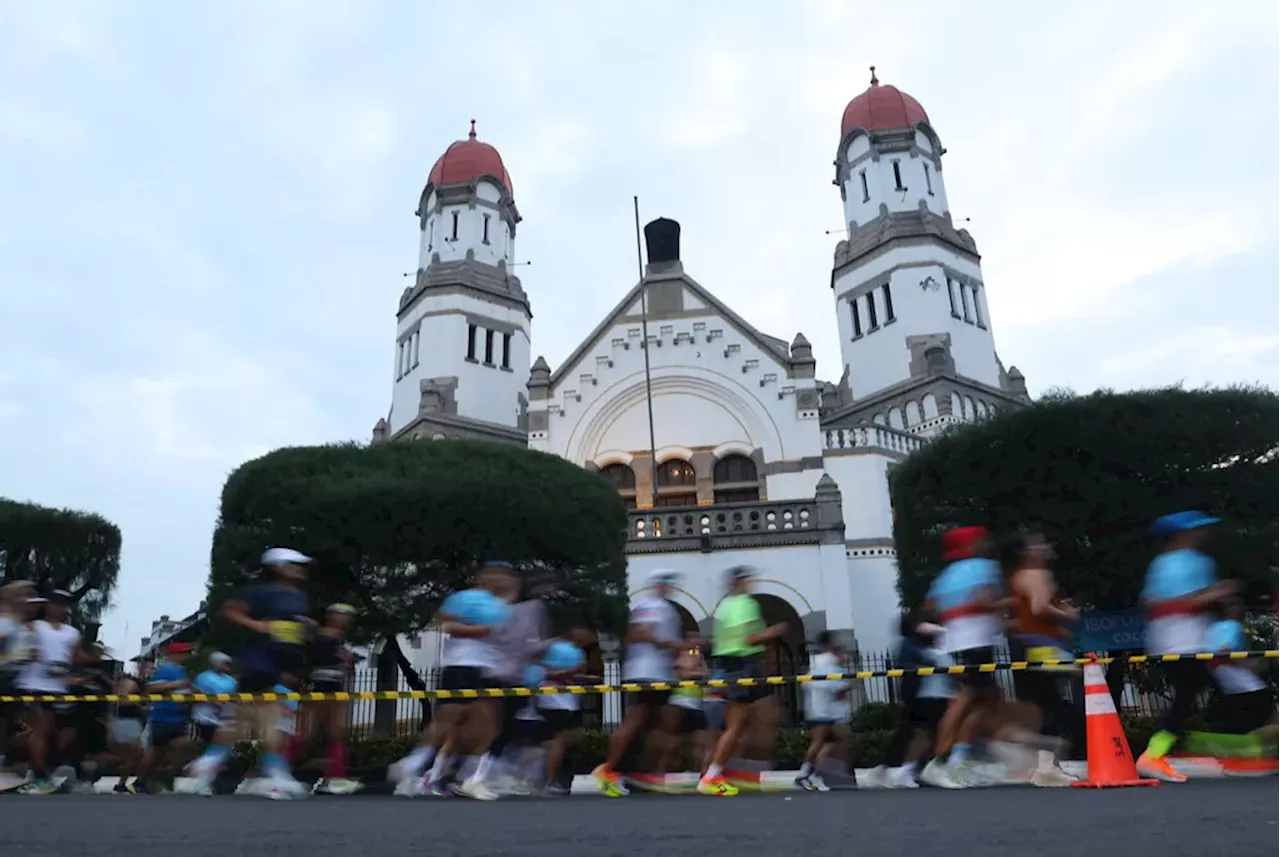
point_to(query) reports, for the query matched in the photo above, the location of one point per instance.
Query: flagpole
(648, 378)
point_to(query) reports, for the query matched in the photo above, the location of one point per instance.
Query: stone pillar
(704, 466)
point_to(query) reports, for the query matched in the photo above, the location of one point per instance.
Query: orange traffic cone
(1110, 760)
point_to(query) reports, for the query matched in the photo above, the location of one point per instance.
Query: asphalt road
(1196, 819)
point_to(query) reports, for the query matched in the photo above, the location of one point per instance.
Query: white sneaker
(282, 787)
(941, 776)
(819, 783)
(411, 787)
(1052, 778)
(340, 786)
(477, 791)
(10, 781)
(903, 778)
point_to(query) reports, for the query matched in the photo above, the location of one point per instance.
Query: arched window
(736, 480)
(624, 478)
(676, 484)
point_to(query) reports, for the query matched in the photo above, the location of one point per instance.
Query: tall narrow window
(455, 227)
(866, 192)
(888, 303)
(486, 229)
(928, 180)
(471, 342)
(857, 321)
(417, 347)
(488, 347)
(964, 301)
(400, 360)
(897, 176)
(872, 323)
(977, 307)
(506, 351)
(951, 295)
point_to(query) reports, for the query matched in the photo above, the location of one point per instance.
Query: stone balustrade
(872, 437)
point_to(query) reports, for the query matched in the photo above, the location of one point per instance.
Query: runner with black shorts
(826, 713)
(654, 639)
(275, 615)
(58, 650)
(966, 595)
(331, 663)
(471, 619)
(739, 647)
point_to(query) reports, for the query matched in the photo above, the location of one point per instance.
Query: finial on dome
(875, 81)
(472, 134)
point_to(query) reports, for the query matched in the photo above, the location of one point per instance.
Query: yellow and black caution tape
(625, 687)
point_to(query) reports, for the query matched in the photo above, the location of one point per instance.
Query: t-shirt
(822, 698)
(212, 713)
(957, 592)
(737, 618)
(168, 712)
(17, 648)
(518, 638)
(283, 609)
(563, 701)
(481, 652)
(1232, 678)
(645, 661)
(55, 649)
(1174, 625)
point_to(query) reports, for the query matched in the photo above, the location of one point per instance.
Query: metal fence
(1142, 694)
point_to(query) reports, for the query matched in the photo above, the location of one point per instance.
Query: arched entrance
(785, 655)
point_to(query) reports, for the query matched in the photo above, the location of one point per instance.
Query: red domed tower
(908, 284)
(467, 209)
(463, 327)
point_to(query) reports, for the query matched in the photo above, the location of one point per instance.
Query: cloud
(718, 112)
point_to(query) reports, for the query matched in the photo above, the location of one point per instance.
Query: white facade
(755, 461)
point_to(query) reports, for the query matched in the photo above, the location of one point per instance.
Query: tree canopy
(396, 527)
(61, 549)
(1092, 473)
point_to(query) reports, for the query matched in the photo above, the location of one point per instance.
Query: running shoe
(1158, 768)
(10, 781)
(609, 781)
(902, 778)
(40, 786)
(718, 786)
(556, 790)
(940, 775)
(477, 791)
(281, 787)
(1051, 778)
(337, 786)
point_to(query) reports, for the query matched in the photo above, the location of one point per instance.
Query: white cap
(663, 576)
(219, 658)
(284, 556)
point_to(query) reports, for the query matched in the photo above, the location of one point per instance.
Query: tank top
(1027, 624)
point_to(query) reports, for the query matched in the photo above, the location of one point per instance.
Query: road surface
(1236, 817)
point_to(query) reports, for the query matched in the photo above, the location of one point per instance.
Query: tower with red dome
(910, 300)
(463, 327)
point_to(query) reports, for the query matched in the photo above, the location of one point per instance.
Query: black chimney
(662, 237)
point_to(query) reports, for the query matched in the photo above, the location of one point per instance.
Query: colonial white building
(759, 461)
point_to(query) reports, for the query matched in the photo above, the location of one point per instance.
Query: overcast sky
(206, 211)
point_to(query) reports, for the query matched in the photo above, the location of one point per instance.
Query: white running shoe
(942, 776)
(877, 778)
(1051, 778)
(477, 791)
(411, 787)
(903, 778)
(338, 786)
(282, 787)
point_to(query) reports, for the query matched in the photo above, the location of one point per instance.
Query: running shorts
(751, 666)
(973, 657)
(164, 734)
(647, 698)
(692, 721)
(561, 719)
(205, 732)
(1240, 713)
(465, 678)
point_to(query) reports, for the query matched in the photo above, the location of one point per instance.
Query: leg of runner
(1187, 678)
(483, 723)
(819, 734)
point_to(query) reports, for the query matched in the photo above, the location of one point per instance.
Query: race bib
(289, 633)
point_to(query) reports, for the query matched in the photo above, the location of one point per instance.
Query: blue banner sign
(1110, 631)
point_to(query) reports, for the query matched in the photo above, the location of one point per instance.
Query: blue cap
(1180, 522)
(495, 563)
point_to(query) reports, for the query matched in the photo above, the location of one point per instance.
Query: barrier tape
(625, 687)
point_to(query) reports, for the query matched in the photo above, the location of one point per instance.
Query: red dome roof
(881, 108)
(468, 160)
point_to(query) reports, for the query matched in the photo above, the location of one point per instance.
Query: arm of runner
(236, 612)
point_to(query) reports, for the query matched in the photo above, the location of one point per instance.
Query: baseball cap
(739, 572)
(345, 609)
(219, 658)
(179, 649)
(284, 556)
(61, 597)
(1180, 522)
(663, 577)
(959, 543)
(495, 563)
